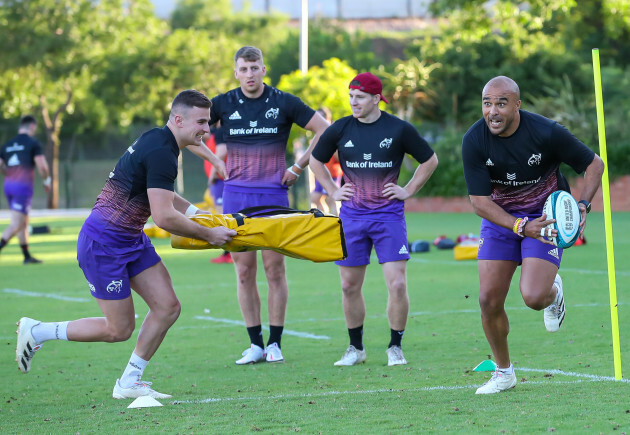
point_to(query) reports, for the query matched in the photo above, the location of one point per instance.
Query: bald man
(511, 165)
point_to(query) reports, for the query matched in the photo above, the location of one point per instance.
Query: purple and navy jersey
(122, 208)
(19, 157)
(371, 156)
(256, 131)
(519, 172)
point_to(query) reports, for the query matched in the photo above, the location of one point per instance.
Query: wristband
(48, 181)
(191, 210)
(298, 166)
(516, 224)
(293, 172)
(520, 230)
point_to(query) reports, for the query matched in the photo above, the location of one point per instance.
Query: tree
(49, 50)
(321, 86)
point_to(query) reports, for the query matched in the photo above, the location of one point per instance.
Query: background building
(342, 9)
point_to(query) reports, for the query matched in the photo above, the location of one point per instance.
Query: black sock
(255, 335)
(396, 338)
(3, 243)
(27, 254)
(275, 334)
(356, 337)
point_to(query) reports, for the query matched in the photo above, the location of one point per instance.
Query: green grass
(565, 379)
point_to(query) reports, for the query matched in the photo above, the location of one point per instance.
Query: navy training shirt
(519, 172)
(371, 155)
(122, 208)
(18, 155)
(256, 131)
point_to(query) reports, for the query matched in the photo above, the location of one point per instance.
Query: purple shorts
(236, 201)
(498, 243)
(19, 197)
(388, 238)
(108, 269)
(216, 190)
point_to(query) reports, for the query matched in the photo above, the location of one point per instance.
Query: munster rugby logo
(272, 113)
(114, 286)
(534, 159)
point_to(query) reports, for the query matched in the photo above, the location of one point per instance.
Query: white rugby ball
(562, 207)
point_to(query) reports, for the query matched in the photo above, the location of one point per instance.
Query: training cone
(485, 366)
(144, 402)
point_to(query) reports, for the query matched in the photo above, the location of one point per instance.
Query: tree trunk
(52, 153)
(53, 128)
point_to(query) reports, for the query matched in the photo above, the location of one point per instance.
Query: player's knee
(489, 304)
(170, 312)
(397, 287)
(350, 288)
(118, 333)
(246, 273)
(533, 301)
(275, 271)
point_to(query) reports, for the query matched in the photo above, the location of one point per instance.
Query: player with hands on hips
(371, 145)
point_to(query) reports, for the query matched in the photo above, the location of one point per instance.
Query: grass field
(566, 380)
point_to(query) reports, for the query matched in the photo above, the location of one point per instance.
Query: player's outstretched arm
(167, 217)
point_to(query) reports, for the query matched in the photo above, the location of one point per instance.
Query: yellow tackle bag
(308, 235)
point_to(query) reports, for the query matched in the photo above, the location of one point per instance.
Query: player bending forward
(116, 256)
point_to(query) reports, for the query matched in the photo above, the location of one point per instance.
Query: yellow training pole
(612, 283)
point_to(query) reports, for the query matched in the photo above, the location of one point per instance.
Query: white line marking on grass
(397, 391)
(19, 292)
(595, 378)
(286, 331)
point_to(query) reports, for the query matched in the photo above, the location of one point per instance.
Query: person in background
(18, 159)
(257, 120)
(372, 144)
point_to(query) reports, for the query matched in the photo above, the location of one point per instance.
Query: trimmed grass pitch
(565, 384)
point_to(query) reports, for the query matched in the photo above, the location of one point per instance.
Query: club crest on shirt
(386, 143)
(272, 113)
(535, 159)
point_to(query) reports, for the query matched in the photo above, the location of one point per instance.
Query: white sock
(507, 371)
(133, 371)
(50, 331)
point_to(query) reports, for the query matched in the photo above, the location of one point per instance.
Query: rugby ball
(562, 207)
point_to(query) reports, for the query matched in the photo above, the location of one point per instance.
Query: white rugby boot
(498, 382)
(26, 344)
(395, 356)
(273, 353)
(252, 355)
(554, 314)
(139, 388)
(352, 357)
